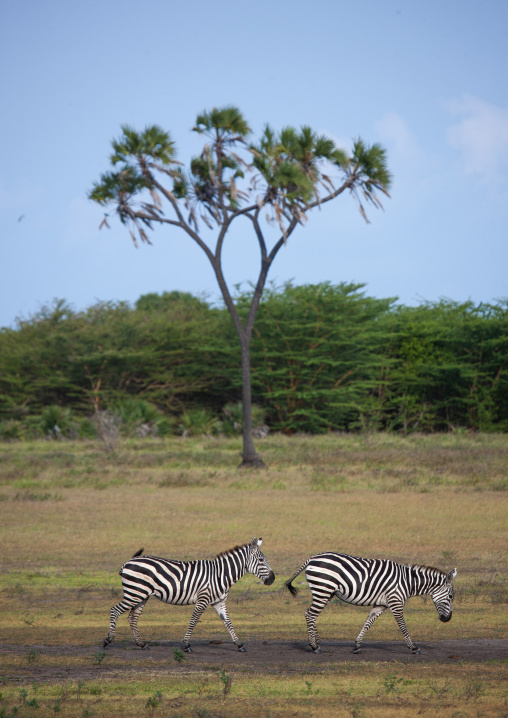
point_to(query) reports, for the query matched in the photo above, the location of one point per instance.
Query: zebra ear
(451, 575)
(255, 543)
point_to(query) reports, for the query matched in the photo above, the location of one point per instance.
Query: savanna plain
(71, 513)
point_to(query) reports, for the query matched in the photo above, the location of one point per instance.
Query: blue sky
(427, 79)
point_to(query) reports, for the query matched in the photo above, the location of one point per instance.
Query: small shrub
(154, 701)
(137, 417)
(108, 430)
(165, 425)
(392, 683)
(178, 655)
(474, 690)
(12, 430)
(87, 429)
(57, 422)
(232, 423)
(227, 683)
(197, 422)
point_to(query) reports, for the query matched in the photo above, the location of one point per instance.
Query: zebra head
(443, 597)
(257, 563)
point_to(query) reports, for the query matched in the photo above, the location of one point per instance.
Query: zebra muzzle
(445, 617)
(270, 579)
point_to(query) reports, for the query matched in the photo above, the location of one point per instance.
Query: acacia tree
(273, 182)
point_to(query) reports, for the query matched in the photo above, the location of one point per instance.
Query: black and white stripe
(379, 583)
(203, 583)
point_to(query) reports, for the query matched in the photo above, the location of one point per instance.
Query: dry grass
(81, 616)
(92, 530)
(71, 514)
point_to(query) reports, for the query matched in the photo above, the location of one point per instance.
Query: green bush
(198, 422)
(323, 358)
(57, 422)
(232, 423)
(87, 428)
(141, 418)
(11, 430)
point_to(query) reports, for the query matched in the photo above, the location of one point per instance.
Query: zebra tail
(289, 583)
(292, 589)
(138, 553)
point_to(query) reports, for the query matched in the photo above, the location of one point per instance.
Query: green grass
(72, 513)
(386, 690)
(382, 463)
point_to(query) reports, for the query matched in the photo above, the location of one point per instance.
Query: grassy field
(72, 513)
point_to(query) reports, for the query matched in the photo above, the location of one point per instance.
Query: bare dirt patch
(260, 657)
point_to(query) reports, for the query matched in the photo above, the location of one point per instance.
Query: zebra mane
(426, 569)
(231, 550)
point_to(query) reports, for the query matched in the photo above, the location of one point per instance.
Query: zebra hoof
(106, 643)
(357, 650)
(187, 649)
(416, 651)
(241, 648)
(316, 650)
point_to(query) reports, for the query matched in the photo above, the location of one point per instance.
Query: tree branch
(348, 184)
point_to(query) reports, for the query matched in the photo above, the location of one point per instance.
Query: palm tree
(285, 174)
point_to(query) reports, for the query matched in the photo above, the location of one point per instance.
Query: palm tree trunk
(250, 457)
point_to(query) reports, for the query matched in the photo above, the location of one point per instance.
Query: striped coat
(378, 583)
(200, 583)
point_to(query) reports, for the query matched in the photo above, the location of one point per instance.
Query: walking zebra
(202, 583)
(378, 583)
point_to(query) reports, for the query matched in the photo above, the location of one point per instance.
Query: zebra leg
(399, 617)
(374, 613)
(311, 614)
(196, 615)
(133, 621)
(116, 611)
(221, 609)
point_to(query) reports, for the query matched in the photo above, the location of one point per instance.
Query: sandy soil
(260, 657)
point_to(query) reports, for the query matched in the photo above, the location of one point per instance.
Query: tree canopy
(275, 180)
(439, 366)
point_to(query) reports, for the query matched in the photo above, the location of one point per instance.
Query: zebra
(379, 583)
(200, 582)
